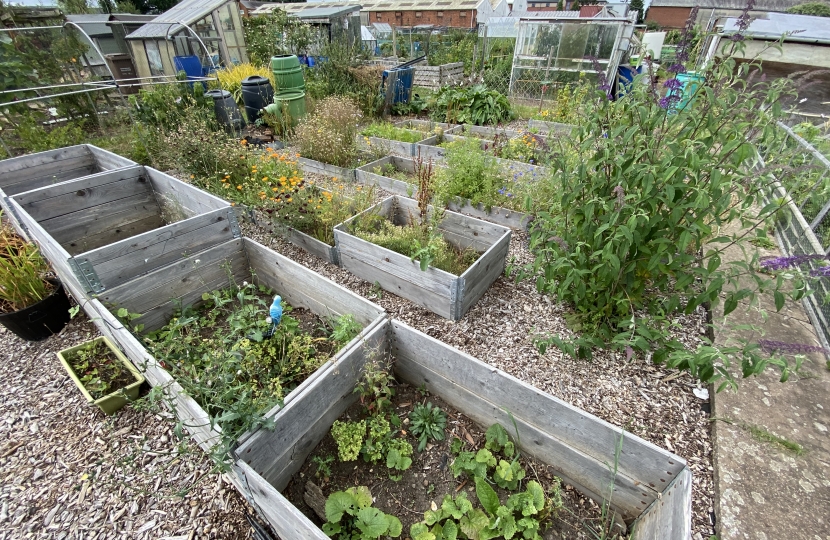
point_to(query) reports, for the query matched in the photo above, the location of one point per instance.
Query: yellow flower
(239, 187)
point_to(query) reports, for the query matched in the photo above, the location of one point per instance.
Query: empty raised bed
(33, 171)
(648, 487)
(110, 227)
(441, 292)
(157, 296)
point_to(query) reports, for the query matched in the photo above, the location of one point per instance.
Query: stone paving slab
(763, 491)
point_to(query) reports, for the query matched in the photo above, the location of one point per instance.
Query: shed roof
(760, 5)
(186, 11)
(93, 24)
(378, 5)
(800, 28)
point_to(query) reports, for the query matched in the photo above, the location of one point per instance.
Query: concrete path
(764, 491)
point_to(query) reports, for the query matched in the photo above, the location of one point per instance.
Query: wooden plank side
(115, 234)
(670, 516)
(107, 160)
(593, 478)
(103, 218)
(287, 521)
(478, 278)
(304, 421)
(302, 287)
(317, 167)
(49, 248)
(398, 187)
(501, 216)
(116, 263)
(72, 187)
(40, 159)
(51, 173)
(312, 245)
(191, 199)
(475, 233)
(652, 466)
(82, 194)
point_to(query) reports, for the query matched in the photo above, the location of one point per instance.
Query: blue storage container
(403, 83)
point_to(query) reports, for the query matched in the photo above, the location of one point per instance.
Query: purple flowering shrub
(637, 236)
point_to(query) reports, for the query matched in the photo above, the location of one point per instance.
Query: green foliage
(375, 388)
(99, 369)
(218, 353)
(641, 12)
(636, 236)
(385, 130)
(274, 34)
(346, 328)
(323, 466)
(471, 105)
(34, 137)
(507, 474)
(473, 464)
(470, 174)
(167, 105)
(349, 438)
(427, 423)
(23, 271)
(376, 443)
(399, 455)
(346, 74)
(817, 9)
(497, 440)
(350, 516)
(328, 134)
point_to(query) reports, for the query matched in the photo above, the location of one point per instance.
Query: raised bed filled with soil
(332, 171)
(107, 228)
(156, 297)
(305, 241)
(648, 488)
(33, 171)
(550, 128)
(398, 175)
(426, 125)
(390, 146)
(441, 292)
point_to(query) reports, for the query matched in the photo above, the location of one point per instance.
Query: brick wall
(452, 18)
(668, 17)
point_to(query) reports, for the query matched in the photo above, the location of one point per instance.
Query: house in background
(210, 30)
(674, 13)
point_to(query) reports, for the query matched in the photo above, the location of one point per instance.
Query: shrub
(637, 238)
(328, 134)
(473, 105)
(470, 173)
(34, 137)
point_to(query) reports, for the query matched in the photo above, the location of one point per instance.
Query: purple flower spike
(664, 103)
(673, 84)
(782, 263)
(769, 346)
(677, 68)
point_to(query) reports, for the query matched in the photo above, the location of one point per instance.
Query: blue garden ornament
(275, 315)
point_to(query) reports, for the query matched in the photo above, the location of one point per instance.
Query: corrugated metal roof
(93, 24)
(186, 11)
(760, 5)
(382, 27)
(549, 15)
(378, 5)
(801, 28)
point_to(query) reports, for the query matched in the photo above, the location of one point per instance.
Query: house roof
(168, 23)
(760, 5)
(799, 28)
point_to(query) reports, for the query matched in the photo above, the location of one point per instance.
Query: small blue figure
(275, 315)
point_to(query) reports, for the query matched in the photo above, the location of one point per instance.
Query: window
(440, 14)
(377, 15)
(398, 14)
(418, 14)
(462, 13)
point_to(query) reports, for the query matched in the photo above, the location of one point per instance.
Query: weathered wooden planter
(482, 132)
(156, 295)
(390, 146)
(318, 167)
(550, 128)
(30, 172)
(298, 238)
(427, 125)
(443, 293)
(651, 490)
(109, 227)
(434, 77)
(502, 216)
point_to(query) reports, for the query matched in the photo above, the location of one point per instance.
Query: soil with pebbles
(70, 472)
(645, 399)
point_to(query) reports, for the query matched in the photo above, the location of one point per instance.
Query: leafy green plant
(34, 137)
(398, 455)
(346, 328)
(99, 369)
(473, 464)
(350, 516)
(427, 423)
(349, 438)
(376, 443)
(385, 130)
(323, 465)
(471, 174)
(375, 388)
(471, 105)
(275, 33)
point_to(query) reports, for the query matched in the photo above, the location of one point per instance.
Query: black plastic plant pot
(39, 321)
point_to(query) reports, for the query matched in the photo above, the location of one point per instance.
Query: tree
(575, 5)
(560, 6)
(638, 5)
(73, 6)
(817, 9)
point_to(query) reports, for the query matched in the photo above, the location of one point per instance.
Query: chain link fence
(803, 228)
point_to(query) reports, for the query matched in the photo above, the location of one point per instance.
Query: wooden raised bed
(651, 488)
(390, 146)
(482, 132)
(318, 167)
(501, 216)
(111, 227)
(425, 124)
(156, 296)
(298, 238)
(443, 293)
(550, 128)
(33, 171)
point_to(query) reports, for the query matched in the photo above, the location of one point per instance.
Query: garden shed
(210, 30)
(333, 20)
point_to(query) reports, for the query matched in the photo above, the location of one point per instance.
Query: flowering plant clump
(640, 225)
(328, 134)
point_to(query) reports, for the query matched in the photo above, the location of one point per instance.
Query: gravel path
(68, 471)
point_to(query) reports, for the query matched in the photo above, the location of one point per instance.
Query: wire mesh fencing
(803, 228)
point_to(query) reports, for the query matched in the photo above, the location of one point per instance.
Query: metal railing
(803, 228)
